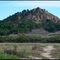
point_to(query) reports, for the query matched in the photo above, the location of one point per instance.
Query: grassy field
(7, 56)
(30, 50)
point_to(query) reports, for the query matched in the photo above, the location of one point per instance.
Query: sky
(8, 8)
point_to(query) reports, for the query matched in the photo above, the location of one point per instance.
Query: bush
(21, 38)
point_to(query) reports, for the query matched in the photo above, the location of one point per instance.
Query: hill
(27, 20)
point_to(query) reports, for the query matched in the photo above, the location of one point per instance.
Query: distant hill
(27, 20)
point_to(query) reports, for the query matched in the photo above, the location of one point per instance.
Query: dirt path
(47, 51)
(34, 57)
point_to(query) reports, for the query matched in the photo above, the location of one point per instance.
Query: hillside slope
(43, 33)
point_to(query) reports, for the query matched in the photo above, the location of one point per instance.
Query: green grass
(7, 56)
(56, 46)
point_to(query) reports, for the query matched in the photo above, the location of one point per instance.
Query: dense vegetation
(21, 38)
(25, 27)
(10, 28)
(52, 27)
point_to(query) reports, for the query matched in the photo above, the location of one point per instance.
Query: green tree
(50, 27)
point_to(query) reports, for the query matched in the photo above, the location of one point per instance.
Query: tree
(50, 27)
(57, 25)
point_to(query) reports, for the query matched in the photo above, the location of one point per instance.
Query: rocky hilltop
(36, 15)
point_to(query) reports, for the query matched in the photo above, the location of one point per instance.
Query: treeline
(10, 28)
(21, 38)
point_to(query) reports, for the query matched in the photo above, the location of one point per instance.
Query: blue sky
(8, 8)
